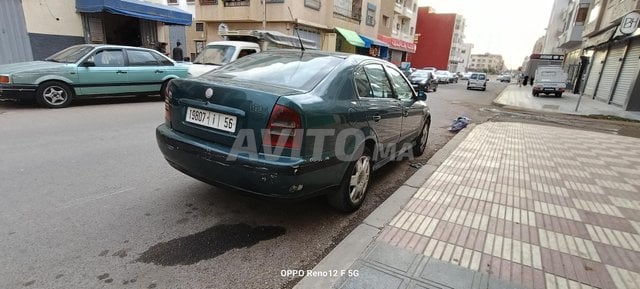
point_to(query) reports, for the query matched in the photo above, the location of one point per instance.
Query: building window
(385, 21)
(199, 27)
(581, 15)
(313, 4)
(191, 1)
(411, 31)
(235, 3)
(172, 2)
(274, 1)
(208, 2)
(348, 8)
(371, 14)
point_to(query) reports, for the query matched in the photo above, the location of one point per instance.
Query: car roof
(111, 46)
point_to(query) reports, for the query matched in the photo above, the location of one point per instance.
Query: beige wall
(386, 9)
(56, 17)
(616, 9)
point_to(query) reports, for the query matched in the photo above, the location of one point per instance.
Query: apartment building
(490, 63)
(570, 40)
(442, 41)
(466, 55)
(555, 28)
(612, 46)
(34, 30)
(383, 29)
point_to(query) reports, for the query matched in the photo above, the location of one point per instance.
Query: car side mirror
(422, 95)
(88, 63)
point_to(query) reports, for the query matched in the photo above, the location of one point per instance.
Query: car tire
(54, 94)
(355, 183)
(468, 88)
(422, 139)
(484, 88)
(435, 88)
(558, 94)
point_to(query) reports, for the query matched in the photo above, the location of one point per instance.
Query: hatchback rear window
(289, 69)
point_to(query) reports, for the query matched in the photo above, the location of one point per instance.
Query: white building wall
(555, 27)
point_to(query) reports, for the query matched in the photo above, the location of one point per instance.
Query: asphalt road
(87, 201)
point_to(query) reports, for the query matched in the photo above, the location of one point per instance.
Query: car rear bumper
(17, 91)
(548, 90)
(209, 162)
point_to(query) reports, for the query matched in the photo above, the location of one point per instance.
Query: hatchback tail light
(167, 103)
(281, 130)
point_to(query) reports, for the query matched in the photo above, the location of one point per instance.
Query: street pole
(264, 15)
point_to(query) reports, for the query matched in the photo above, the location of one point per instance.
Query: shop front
(374, 48)
(399, 50)
(348, 41)
(127, 22)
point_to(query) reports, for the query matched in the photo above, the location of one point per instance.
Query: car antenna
(295, 21)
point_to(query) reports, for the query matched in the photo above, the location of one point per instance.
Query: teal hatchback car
(87, 71)
(293, 124)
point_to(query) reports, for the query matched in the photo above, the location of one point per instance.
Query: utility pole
(264, 15)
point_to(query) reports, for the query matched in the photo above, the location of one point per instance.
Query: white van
(477, 80)
(549, 80)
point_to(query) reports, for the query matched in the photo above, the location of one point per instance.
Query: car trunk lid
(219, 109)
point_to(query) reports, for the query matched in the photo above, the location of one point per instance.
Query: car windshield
(70, 55)
(296, 70)
(420, 73)
(215, 55)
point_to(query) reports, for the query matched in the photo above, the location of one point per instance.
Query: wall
(436, 33)
(555, 27)
(386, 9)
(52, 25)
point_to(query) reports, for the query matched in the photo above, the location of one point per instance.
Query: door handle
(121, 72)
(377, 118)
(159, 71)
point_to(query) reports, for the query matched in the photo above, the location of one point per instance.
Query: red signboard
(398, 44)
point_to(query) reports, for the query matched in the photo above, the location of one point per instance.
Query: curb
(355, 244)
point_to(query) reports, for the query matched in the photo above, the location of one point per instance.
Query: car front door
(383, 110)
(412, 109)
(146, 73)
(103, 72)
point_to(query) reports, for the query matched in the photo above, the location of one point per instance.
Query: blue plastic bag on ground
(459, 123)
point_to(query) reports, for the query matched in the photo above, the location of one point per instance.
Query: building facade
(34, 30)
(441, 42)
(383, 29)
(570, 40)
(466, 55)
(489, 63)
(555, 28)
(611, 45)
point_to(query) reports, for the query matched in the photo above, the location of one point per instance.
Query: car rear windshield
(296, 70)
(70, 55)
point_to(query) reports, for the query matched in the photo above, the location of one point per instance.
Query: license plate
(211, 119)
(549, 88)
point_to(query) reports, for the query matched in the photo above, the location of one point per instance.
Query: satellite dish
(223, 28)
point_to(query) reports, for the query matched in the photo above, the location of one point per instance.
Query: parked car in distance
(504, 78)
(477, 80)
(424, 80)
(549, 80)
(444, 76)
(214, 124)
(89, 70)
(466, 75)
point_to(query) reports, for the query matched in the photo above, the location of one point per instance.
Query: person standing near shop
(177, 52)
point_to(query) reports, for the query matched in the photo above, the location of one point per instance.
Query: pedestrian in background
(520, 79)
(177, 52)
(526, 79)
(162, 48)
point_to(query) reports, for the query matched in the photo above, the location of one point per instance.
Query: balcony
(407, 12)
(571, 37)
(397, 8)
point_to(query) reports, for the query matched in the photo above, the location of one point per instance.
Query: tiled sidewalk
(540, 206)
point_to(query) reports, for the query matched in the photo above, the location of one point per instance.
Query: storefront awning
(137, 9)
(351, 37)
(369, 41)
(398, 44)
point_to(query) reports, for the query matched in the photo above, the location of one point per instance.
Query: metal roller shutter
(14, 41)
(628, 75)
(610, 72)
(310, 35)
(594, 72)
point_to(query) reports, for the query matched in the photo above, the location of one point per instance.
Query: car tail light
(4, 79)
(281, 130)
(167, 103)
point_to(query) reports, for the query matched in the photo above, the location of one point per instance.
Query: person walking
(162, 48)
(177, 52)
(520, 79)
(526, 79)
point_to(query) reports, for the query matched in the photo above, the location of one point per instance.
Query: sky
(506, 27)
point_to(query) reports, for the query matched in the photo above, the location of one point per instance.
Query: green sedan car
(89, 70)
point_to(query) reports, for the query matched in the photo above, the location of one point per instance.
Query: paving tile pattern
(541, 206)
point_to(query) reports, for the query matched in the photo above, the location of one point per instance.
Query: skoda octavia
(294, 124)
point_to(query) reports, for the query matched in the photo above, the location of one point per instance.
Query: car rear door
(383, 109)
(146, 73)
(103, 72)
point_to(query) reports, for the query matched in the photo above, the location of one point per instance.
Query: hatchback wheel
(355, 184)
(421, 140)
(54, 94)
